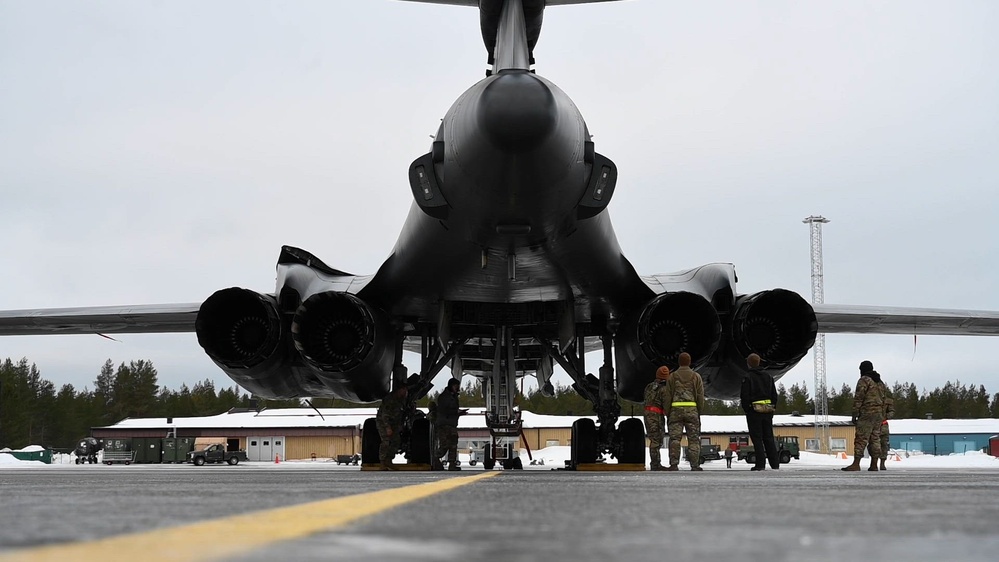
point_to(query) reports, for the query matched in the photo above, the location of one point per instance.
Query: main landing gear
(591, 442)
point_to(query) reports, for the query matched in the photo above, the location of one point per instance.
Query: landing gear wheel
(488, 462)
(632, 434)
(584, 442)
(370, 441)
(419, 442)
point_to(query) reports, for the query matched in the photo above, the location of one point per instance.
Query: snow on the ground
(555, 457)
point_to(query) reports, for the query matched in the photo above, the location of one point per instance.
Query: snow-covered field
(555, 457)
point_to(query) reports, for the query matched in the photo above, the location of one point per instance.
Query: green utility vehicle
(787, 447)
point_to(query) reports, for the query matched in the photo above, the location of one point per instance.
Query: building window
(837, 444)
(811, 444)
(551, 443)
(739, 440)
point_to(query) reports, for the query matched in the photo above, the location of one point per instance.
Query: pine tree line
(32, 412)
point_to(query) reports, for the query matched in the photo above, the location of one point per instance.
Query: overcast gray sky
(153, 152)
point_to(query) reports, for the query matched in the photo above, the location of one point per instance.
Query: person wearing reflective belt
(759, 401)
(655, 398)
(685, 393)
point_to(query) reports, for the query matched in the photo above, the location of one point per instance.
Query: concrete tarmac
(802, 513)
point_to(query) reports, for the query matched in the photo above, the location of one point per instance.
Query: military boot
(883, 467)
(673, 468)
(657, 467)
(874, 465)
(855, 467)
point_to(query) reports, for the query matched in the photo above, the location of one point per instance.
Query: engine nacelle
(670, 324)
(347, 342)
(241, 332)
(778, 325)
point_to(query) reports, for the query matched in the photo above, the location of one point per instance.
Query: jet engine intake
(778, 325)
(341, 336)
(239, 328)
(676, 322)
(670, 324)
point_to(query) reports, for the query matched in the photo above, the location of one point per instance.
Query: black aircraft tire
(632, 434)
(419, 442)
(584, 442)
(488, 462)
(370, 441)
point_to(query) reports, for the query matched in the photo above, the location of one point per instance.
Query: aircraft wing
(137, 319)
(845, 319)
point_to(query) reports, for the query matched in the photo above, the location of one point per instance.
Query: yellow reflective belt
(761, 402)
(685, 404)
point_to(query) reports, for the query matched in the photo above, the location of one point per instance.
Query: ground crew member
(685, 400)
(389, 422)
(448, 413)
(655, 426)
(759, 401)
(868, 413)
(728, 457)
(435, 463)
(889, 413)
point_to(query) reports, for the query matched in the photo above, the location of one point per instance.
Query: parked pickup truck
(216, 454)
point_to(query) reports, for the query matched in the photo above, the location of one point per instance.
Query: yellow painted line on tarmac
(222, 538)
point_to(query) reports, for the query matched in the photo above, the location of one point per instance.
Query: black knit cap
(866, 366)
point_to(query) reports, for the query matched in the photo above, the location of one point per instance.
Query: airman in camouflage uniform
(889, 414)
(685, 400)
(446, 428)
(389, 422)
(655, 399)
(868, 413)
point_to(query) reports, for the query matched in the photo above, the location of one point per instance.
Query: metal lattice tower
(821, 395)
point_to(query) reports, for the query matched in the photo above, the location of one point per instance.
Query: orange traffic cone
(277, 459)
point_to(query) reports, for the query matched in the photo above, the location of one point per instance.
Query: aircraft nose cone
(517, 111)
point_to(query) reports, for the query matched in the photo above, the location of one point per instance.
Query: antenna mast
(821, 395)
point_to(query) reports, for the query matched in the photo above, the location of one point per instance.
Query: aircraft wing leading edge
(138, 319)
(180, 317)
(846, 319)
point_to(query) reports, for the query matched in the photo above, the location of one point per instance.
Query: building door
(263, 449)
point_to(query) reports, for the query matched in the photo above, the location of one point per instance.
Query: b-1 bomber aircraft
(507, 265)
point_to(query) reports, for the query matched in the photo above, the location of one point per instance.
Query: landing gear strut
(626, 443)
